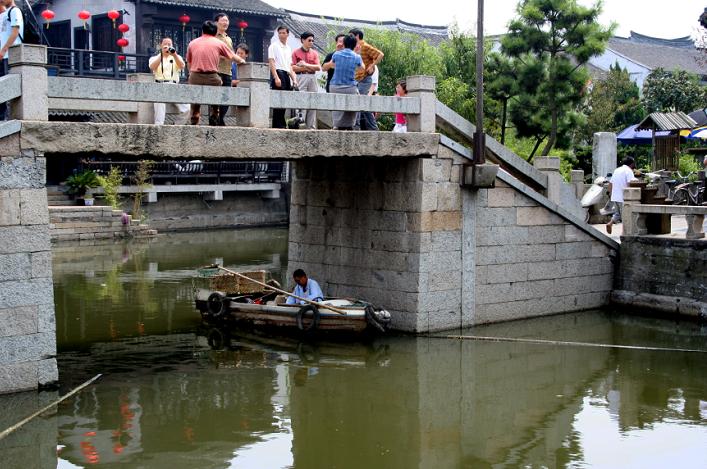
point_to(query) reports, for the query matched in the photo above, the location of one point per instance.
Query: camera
(172, 50)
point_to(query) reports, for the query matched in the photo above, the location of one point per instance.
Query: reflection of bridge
(408, 402)
(394, 218)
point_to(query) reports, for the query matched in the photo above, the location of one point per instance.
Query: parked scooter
(597, 201)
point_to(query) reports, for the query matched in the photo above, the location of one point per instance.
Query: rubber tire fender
(315, 318)
(216, 304)
(372, 319)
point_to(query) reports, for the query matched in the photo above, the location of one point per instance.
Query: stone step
(61, 203)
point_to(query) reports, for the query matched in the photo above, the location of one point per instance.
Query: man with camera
(166, 67)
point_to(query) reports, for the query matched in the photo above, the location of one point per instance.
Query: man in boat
(305, 288)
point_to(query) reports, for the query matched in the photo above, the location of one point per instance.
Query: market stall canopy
(667, 121)
(631, 136)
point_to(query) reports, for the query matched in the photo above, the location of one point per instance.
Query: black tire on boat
(315, 318)
(218, 339)
(372, 319)
(216, 304)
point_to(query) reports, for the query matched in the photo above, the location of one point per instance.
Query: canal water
(177, 394)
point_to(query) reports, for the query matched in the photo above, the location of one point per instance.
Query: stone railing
(694, 215)
(252, 99)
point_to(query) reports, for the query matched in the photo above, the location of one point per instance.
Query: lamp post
(479, 137)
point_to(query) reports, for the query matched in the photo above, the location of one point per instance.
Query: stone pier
(27, 321)
(27, 331)
(407, 236)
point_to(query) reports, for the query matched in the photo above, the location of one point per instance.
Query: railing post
(256, 77)
(145, 111)
(632, 197)
(423, 87)
(29, 61)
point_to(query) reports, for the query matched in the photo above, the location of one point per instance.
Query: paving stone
(15, 267)
(33, 205)
(501, 197)
(18, 321)
(537, 216)
(9, 207)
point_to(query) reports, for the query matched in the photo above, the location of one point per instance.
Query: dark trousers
(278, 115)
(209, 79)
(221, 111)
(3, 106)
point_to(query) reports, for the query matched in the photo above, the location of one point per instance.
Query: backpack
(31, 36)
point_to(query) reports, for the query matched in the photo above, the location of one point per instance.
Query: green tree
(405, 55)
(675, 91)
(613, 103)
(501, 85)
(552, 40)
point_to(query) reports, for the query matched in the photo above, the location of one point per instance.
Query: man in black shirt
(339, 45)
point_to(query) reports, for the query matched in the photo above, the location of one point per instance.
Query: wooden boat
(268, 309)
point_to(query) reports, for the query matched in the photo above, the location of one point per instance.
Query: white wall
(636, 71)
(67, 10)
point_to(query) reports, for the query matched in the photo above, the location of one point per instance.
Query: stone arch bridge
(393, 218)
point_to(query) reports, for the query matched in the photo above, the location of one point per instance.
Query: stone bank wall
(27, 323)
(174, 212)
(664, 275)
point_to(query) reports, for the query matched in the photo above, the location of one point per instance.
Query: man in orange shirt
(203, 57)
(371, 57)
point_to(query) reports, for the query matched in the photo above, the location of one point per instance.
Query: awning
(667, 121)
(631, 136)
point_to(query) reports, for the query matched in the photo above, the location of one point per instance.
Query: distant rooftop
(321, 25)
(653, 52)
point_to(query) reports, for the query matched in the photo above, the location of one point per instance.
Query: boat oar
(317, 304)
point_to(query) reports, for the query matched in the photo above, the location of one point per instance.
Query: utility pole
(479, 137)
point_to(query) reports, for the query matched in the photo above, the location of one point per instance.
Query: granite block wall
(27, 323)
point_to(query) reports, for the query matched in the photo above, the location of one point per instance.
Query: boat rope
(270, 287)
(562, 342)
(44, 409)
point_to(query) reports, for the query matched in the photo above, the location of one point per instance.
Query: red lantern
(84, 15)
(113, 15)
(123, 28)
(121, 58)
(242, 24)
(48, 16)
(122, 42)
(184, 19)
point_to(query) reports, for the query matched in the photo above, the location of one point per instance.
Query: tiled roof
(252, 7)
(322, 25)
(668, 54)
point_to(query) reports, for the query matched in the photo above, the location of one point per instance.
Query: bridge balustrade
(253, 98)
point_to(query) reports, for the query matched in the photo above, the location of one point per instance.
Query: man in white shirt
(619, 181)
(166, 67)
(282, 77)
(12, 30)
(306, 288)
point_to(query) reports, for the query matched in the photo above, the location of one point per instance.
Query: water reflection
(131, 289)
(177, 393)
(220, 398)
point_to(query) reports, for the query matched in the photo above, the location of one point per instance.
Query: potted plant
(80, 183)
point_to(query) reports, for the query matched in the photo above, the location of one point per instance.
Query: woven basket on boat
(230, 283)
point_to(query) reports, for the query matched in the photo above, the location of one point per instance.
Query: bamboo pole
(44, 409)
(561, 342)
(317, 304)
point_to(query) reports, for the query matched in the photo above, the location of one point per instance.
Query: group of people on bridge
(212, 60)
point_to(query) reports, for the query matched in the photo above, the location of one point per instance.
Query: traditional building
(640, 55)
(151, 20)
